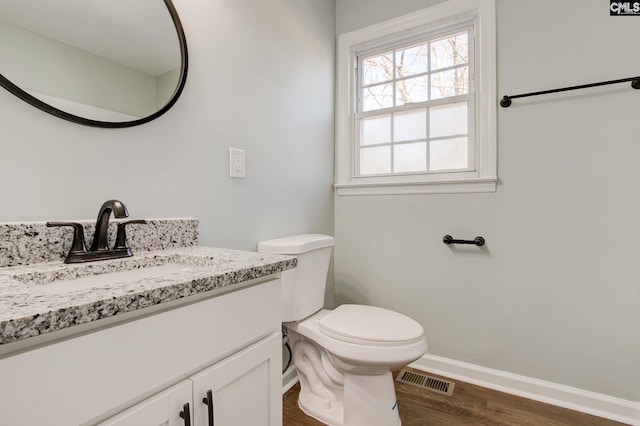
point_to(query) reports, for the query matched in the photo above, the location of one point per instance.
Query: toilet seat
(365, 356)
(370, 326)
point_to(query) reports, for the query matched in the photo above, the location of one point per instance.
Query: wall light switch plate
(236, 163)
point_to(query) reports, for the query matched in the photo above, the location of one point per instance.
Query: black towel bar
(506, 100)
(448, 239)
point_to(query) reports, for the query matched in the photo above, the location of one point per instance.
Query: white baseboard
(563, 396)
(289, 378)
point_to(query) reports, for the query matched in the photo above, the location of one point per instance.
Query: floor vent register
(424, 381)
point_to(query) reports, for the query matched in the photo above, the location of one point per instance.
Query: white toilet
(344, 357)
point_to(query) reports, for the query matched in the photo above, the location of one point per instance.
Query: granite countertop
(34, 300)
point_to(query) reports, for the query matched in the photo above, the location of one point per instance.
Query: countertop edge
(46, 321)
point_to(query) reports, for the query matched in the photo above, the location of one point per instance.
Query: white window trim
(351, 44)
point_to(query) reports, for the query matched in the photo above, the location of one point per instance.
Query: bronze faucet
(119, 210)
(100, 245)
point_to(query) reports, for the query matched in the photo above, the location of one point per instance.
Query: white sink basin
(115, 278)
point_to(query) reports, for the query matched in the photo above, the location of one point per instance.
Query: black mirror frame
(11, 87)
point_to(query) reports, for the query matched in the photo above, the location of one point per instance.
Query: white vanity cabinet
(243, 389)
(163, 409)
(141, 371)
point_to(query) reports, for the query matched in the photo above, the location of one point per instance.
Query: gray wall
(354, 14)
(554, 294)
(260, 78)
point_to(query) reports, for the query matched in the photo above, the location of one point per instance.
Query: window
(413, 107)
(416, 103)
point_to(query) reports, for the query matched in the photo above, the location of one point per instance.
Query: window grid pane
(410, 157)
(451, 82)
(448, 154)
(450, 51)
(412, 60)
(375, 160)
(429, 137)
(375, 130)
(439, 67)
(375, 69)
(420, 140)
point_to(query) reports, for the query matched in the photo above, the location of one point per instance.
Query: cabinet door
(245, 389)
(162, 409)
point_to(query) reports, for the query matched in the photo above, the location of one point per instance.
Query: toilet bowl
(344, 357)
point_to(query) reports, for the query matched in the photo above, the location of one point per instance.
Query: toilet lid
(369, 325)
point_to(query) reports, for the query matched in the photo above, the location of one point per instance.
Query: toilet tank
(302, 287)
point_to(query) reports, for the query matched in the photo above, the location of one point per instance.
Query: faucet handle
(121, 236)
(77, 246)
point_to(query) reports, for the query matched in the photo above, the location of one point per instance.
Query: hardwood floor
(469, 405)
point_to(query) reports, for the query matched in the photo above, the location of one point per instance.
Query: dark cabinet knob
(209, 401)
(186, 414)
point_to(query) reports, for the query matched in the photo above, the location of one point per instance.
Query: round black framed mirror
(105, 63)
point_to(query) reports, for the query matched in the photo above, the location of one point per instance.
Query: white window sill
(454, 186)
